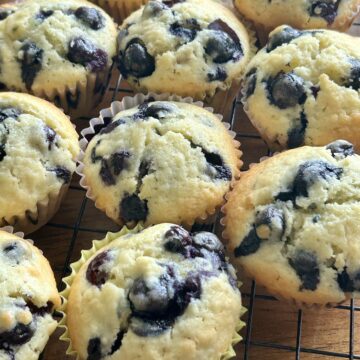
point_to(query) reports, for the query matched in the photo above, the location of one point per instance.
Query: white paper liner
(76, 266)
(131, 102)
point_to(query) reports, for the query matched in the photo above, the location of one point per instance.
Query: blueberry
(19, 335)
(95, 274)
(112, 126)
(153, 8)
(286, 90)
(112, 167)
(132, 208)
(326, 9)
(345, 282)
(9, 113)
(144, 327)
(250, 83)
(285, 36)
(223, 172)
(306, 267)
(31, 62)
(296, 135)
(249, 245)
(91, 17)
(177, 239)
(270, 223)
(61, 173)
(311, 172)
(341, 149)
(44, 14)
(171, 3)
(187, 291)
(186, 30)
(84, 52)
(150, 297)
(219, 74)
(135, 60)
(353, 80)
(118, 342)
(208, 241)
(50, 135)
(222, 48)
(15, 252)
(160, 110)
(2, 152)
(4, 13)
(94, 349)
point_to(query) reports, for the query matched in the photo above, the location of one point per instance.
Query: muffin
(159, 294)
(301, 14)
(38, 148)
(303, 88)
(195, 48)
(161, 161)
(292, 223)
(61, 50)
(28, 299)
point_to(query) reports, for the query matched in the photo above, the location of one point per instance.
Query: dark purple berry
(186, 30)
(296, 135)
(14, 252)
(171, 3)
(208, 241)
(2, 152)
(219, 25)
(132, 208)
(9, 113)
(44, 14)
(160, 110)
(270, 223)
(250, 83)
(341, 148)
(306, 267)
(286, 90)
(61, 173)
(154, 8)
(285, 36)
(135, 60)
(249, 245)
(5, 13)
(353, 81)
(177, 239)
(111, 126)
(31, 62)
(223, 172)
(84, 52)
(94, 349)
(327, 9)
(113, 166)
(95, 273)
(50, 136)
(118, 342)
(91, 17)
(19, 335)
(188, 290)
(345, 282)
(219, 74)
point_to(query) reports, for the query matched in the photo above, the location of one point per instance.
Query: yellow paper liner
(87, 254)
(290, 301)
(129, 102)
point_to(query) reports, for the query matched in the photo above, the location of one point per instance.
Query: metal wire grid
(251, 296)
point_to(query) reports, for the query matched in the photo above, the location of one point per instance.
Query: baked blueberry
(286, 90)
(84, 52)
(9, 113)
(113, 166)
(44, 14)
(154, 8)
(327, 9)
(354, 78)
(145, 327)
(306, 266)
(118, 342)
(132, 208)
(135, 60)
(19, 335)
(111, 126)
(341, 149)
(91, 17)
(61, 173)
(96, 274)
(208, 241)
(285, 36)
(2, 152)
(296, 135)
(249, 245)
(50, 136)
(159, 110)
(171, 3)
(223, 172)
(94, 349)
(270, 223)
(5, 13)
(221, 47)
(219, 74)
(186, 30)
(177, 239)
(30, 57)
(313, 171)
(250, 83)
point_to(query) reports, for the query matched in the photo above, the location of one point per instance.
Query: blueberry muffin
(189, 48)
(60, 50)
(160, 294)
(161, 161)
(303, 88)
(28, 299)
(292, 223)
(38, 148)
(301, 14)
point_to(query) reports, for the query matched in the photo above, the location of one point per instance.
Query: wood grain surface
(273, 322)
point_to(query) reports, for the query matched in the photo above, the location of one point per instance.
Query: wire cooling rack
(251, 348)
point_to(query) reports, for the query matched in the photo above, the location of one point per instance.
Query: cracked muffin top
(38, 148)
(292, 223)
(189, 48)
(28, 296)
(159, 162)
(53, 44)
(301, 14)
(303, 88)
(159, 294)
